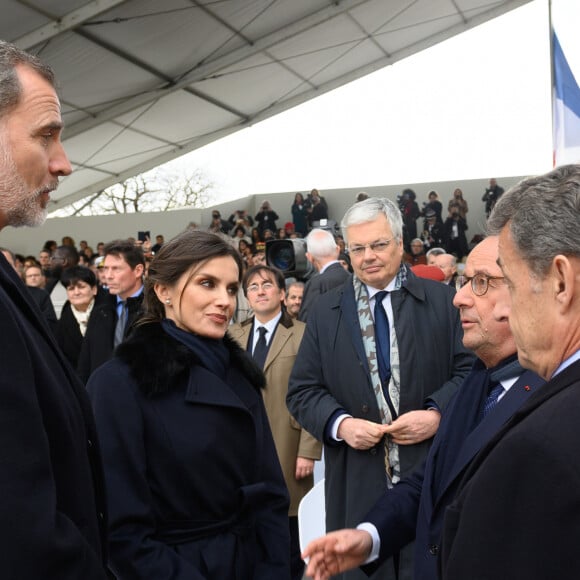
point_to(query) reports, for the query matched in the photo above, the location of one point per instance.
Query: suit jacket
(195, 488)
(291, 440)
(335, 275)
(516, 513)
(98, 344)
(415, 507)
(52, 514)
(332, 373)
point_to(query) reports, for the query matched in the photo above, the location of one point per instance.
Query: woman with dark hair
(300, 214)
(81, 290)
(194, 485)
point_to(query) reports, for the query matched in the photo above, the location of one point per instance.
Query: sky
(474, 106)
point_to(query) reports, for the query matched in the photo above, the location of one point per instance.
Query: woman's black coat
(195, 487)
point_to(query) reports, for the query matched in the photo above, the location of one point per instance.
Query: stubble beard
(20, 206)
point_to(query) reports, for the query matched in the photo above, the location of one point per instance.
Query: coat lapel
(490, 425)
(351, 321)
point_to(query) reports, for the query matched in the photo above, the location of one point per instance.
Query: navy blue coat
(52, 503)
(415, 507)
(332, 373)
(516, 513)
(195, 487)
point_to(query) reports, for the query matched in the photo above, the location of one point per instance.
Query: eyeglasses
(252, 288)
(479, 283)
(377, 247)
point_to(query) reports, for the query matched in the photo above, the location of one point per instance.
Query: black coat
(517, 511)
(98, 344)
(335, 275)
(195, 487)
(52, 504)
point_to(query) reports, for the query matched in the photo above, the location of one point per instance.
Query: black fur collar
(157, 361)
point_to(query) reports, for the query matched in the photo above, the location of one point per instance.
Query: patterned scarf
(367, 328)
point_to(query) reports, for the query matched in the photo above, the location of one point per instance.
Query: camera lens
(282, 258)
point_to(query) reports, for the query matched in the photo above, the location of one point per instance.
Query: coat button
(365, 409)
(433, 549)
(89, 443)
(373, 451)
(101, 516)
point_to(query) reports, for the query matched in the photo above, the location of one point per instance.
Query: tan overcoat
(291, 440)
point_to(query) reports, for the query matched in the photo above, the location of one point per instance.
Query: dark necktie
(492, 398)
(261, 348)
(121, 323)
(382, 339)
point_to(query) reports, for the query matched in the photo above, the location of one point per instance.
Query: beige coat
(291, 440)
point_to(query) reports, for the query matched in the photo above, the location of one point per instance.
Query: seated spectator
(447, 263)
(417, 254)
(240, 233)
(432, 254)
(81, 288)
(282, 235)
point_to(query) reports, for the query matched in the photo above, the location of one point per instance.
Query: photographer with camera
(491, 195)
(266, 219)
(454, 232)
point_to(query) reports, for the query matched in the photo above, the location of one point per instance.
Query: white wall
(104, 228)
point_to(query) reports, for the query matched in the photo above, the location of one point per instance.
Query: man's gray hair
(10, 88)
(543, 215)
(369, 210)
(321, 244)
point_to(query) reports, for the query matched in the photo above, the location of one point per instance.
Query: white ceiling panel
(144, 81)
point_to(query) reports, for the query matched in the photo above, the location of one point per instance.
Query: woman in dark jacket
(300, 214)
(81, 290)
(194, 485)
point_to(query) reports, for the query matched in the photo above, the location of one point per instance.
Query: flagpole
(553, 82)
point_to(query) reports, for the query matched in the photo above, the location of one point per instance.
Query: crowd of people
(162, 406)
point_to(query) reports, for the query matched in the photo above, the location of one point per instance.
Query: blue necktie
(121, 324)
(382, 339)
(492, 398)
(261, 349)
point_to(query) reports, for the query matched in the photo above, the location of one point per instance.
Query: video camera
(289, 256)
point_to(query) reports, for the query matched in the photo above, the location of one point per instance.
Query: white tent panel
(143, 81)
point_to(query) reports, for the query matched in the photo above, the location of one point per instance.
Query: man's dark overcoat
(52, 506)
(517, 511)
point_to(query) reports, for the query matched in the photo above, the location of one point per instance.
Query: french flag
(566, 99)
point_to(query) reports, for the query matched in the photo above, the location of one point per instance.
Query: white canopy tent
(145, 81)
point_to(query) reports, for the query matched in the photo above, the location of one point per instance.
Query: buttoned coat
(332, 373)
(195, 488)
(414, 508)
(291, 440)
(516, 514)
(52, 504)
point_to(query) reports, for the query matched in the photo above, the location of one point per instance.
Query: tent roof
(143, 81)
